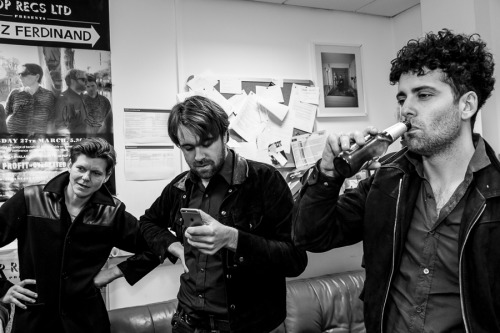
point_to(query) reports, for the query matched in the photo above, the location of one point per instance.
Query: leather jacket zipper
(393, 256)
(462, 303)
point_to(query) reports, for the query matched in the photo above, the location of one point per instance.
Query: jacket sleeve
(155, 225)
(12, 220)
(129, 238)
(274, 251)
(4, 314)
(323, 220)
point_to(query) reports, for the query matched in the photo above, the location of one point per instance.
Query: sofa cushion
(149, 318)
(328, 303)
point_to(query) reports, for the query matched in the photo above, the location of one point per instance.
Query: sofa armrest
(149, 318)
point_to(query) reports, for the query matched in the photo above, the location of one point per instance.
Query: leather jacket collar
(57, 184)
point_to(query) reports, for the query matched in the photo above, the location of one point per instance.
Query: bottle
(349, 162)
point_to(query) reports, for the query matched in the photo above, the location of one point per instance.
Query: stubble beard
(446, 130)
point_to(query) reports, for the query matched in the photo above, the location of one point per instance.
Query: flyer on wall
(55, 86)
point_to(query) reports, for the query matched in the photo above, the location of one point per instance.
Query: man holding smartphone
(236, 262)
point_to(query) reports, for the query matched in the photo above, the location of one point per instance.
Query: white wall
(153, 39)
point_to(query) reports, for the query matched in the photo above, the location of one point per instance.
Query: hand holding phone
(191, 217)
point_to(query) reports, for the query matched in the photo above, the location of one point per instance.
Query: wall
(153, 39)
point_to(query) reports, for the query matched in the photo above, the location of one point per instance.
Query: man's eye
(424, 95)
(401, 102)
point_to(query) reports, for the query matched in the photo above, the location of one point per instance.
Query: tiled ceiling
(388, 8)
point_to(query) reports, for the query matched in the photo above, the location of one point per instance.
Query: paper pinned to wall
(309, 95)
(198, 83)
(277, 109)
(272, 93)
(151, 162)
(276, 130)
(146, 126)
(304, 113)
(230, 86)
(308, 148)
(250, 120)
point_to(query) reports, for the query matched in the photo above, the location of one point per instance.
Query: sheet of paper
(237, 101)
(277, 131)
(278, 82)
(273, 93)
(146, 126)
(304, 113)
(249, 151)
(152, 162)
(308, 148)
(250, 120)
(217, 97)
(277, 109)
(309, 95)
(230, 86)
(201, 83)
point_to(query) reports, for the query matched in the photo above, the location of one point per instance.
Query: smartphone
(191, 217)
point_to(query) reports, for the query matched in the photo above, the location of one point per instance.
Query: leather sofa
(328, 303)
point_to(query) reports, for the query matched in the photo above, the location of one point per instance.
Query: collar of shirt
(226, 172)
(478, 161)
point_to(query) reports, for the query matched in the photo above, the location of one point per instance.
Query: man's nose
(86, 176)
(199, 153)
(407, 109)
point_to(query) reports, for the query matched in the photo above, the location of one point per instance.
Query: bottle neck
(396, 130)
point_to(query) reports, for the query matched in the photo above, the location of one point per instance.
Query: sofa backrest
(328, 303)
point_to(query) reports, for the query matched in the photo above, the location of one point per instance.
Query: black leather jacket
(379, 212)
(64, 258)
(259, 204)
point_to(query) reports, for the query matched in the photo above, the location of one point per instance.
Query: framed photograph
(339, 77)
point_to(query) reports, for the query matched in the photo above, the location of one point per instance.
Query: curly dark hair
(465, 60)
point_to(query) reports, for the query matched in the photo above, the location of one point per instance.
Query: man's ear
(468, 105)
(108, 175)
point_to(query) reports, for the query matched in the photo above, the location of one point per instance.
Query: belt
(208, 323)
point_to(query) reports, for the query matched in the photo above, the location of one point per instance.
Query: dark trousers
(183, 323)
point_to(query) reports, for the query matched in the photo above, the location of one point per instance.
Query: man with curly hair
(429, 216)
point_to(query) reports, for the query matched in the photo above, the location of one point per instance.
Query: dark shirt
(425, 293)
(203, 289)
(99, 118)
(29, 114)
(71, 114)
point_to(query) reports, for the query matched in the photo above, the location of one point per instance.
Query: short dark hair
(94, 148)
(202, 116)
(464, 59)
(34, 69)
(91, 78)
(72, 74)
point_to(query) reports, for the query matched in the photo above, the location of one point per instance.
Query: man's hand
(212, 235)
(336, 143)
(17, 294)
(106, 276)
(178, 250)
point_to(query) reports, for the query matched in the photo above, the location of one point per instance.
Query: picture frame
(340, 79)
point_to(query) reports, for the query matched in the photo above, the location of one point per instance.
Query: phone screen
(191, 217)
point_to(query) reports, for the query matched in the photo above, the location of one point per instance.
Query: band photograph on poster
(55, 86)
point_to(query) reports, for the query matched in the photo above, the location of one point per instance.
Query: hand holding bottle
(357, 157)
(337, 143)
